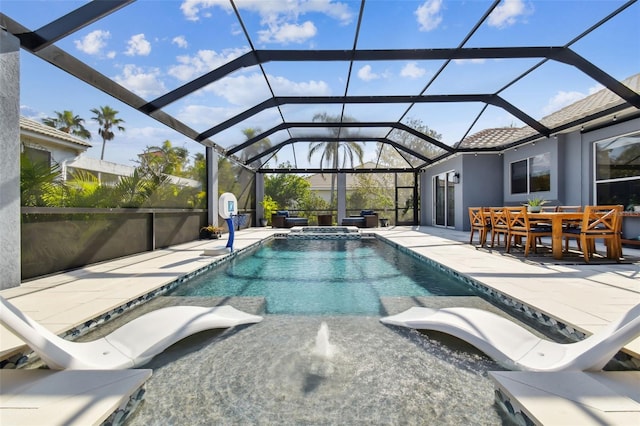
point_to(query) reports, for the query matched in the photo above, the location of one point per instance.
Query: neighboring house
(44, 143)
(594, 163)
(321, 183)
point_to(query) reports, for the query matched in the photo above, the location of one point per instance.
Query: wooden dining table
(556, 219)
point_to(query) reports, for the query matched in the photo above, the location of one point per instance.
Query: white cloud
(202, 115)
(412, 70)
(271, 11)
(561, 100)
(428, 15)
(180, 41)
(143, 83)
(366, 74)
(288, 33)
(251, 89)
(204, 61)
(506, 13)
(279, 19)
(304, 88)
(191, 8)
(94, 42)
(469, 61)
(138, 45)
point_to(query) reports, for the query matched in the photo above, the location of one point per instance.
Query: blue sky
(153, 46)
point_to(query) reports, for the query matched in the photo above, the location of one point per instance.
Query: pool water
(325, 277)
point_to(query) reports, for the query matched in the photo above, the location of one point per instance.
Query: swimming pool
(271, 373)
(325, 277)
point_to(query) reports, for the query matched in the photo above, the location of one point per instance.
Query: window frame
(630, 200)
(529, 178)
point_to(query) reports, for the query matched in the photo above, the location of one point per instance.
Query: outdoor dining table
(556, 219)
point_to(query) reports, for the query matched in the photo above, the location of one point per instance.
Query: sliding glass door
(444, 200)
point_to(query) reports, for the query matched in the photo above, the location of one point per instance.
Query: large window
(532, 174)
(617, 163)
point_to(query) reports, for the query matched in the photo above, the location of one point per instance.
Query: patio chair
(283, 219)
(599, 222)
(129, 346)
(515, 347)
(499, 224)
(520, 226)
(480, 220)
(570, 224)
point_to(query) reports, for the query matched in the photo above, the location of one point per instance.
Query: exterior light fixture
(615, 118)
(456, 177)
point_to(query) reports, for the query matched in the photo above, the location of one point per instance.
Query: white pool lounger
(515, 347)
(131, 345)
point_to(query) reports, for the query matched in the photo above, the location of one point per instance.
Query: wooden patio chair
(480, 221)
(602, 222)
(570, 224)
(499, 224)
(519, 226)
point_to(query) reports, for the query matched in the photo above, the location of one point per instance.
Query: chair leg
(471, 236)
(585, 245)
(528, 244)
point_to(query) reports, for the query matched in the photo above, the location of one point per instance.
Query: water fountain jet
(323, 348)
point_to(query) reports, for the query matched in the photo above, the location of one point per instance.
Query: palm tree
(67, 122)
(165, 159)
(330, 151)
(257, 147)
(106, 118)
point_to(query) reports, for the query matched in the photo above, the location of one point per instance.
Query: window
(617, 163)
(532, 174)
(37, 155)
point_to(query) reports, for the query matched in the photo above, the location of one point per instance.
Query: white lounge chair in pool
(131, 345)
(515, 347)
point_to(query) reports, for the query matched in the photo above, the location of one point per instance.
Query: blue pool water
(324, 277)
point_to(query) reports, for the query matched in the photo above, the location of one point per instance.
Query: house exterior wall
(485, 178)
(427, 198)
(549, 145)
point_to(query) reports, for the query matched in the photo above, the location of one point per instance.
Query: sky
(153, 46)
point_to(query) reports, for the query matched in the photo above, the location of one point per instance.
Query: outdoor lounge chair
(129, 346)
(515, 347)
(282, 219)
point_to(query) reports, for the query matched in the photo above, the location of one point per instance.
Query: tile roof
(27, 124)
(597, 102)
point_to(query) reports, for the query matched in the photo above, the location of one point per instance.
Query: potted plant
(534, 205)
(210, 232)
(270, 206)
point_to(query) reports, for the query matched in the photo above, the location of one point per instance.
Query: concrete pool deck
(585, 296)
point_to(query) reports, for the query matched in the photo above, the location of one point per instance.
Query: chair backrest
(478, 217)
(51, 348)
(594, 352)
(602, 220)
(517, 218)
(499, 220)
